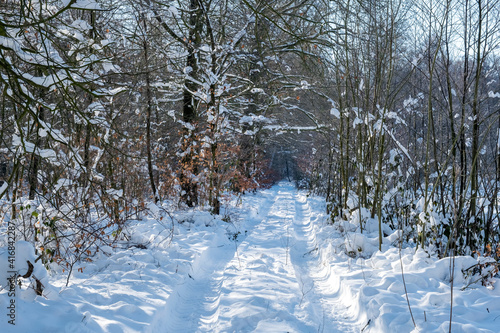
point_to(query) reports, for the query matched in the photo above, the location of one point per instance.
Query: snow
(498, 143)
(115, 193)
(257, 91)
(173, 10)
(3, 187)
(335, 112)
(274, 263)
(81, 24)
(416, 60)
(357, 121)
(251, 119)
(86, 5)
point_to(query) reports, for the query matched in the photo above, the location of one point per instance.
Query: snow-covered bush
(20, 272)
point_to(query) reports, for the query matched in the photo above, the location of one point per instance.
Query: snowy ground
(276, 267)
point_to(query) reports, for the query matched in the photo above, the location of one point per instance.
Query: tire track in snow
(264, 293)
(275, 283)
(193, 305)
(318, 285)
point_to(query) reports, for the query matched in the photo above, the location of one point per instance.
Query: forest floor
(274, 264)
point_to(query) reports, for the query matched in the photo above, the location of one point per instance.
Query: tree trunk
(189, 164)
(149, 109)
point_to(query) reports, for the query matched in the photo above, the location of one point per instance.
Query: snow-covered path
(276, 266)
(269, 279)
(315, 271)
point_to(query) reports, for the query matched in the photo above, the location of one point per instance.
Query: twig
(368, 323)
(302, 289)
(452, 277)
(403, 276)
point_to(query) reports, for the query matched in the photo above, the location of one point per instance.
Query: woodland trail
(266, 279)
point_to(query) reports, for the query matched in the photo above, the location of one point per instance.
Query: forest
(388, 109)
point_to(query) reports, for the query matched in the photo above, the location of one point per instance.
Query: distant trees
(231, 62)
(414, 120)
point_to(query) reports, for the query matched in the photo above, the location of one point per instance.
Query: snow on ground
(277, 266)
